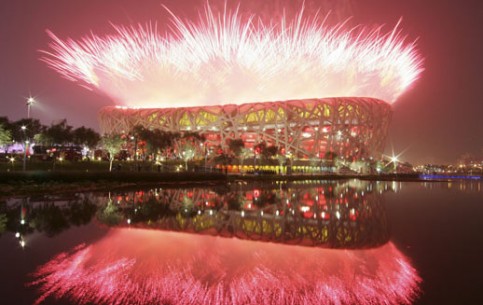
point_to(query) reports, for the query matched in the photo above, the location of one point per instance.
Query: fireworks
(231, 58)
(132, 266)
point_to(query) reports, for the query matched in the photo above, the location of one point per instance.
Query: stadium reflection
(146, 258)
(347, 214)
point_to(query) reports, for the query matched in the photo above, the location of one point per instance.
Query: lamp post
(395, 160)
(203, 147)
(30, 102)
(289, 156)
(135, 140)
(25, 155)
(26, 142)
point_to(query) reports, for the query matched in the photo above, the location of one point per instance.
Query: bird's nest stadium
(351, 127)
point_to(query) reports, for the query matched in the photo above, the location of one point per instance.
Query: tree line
(141, 143)
(57, 134)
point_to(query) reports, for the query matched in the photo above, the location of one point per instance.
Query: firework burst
(234, 58)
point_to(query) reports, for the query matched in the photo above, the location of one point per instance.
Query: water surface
(313, 242)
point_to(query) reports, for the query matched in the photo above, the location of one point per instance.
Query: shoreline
(45, 182)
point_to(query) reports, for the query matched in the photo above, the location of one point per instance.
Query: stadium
(354, 128)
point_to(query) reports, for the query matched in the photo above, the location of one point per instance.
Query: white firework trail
(230, 58)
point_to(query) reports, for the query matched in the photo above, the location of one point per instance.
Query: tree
(187, 153)
(265, 151)
(4, 121)
(113, 144)
(245, 154)
(42, 139)
(59, 134)
(236, 147)
(85, 136)
(188, 144)
(25, 129)
(156, 140)
(270, 152)
(282, 159)
(110, 214)
(5, 131)
(50, 219)
(5, 136)
(331, 159)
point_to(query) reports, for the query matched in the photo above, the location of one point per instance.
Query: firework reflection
(137, 266)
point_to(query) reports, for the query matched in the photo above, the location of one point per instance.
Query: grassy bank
(19, 183)
(103, 176)
(37, 182)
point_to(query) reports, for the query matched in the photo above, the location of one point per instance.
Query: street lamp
(289, 156)
(26, 147)
(24, 128)
(395, 160)
(135, 139)
(30, 102)
(204, 148)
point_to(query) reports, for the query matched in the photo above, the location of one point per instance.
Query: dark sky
(436, 121)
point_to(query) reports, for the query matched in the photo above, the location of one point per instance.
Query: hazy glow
(231, 58)
(132, 266)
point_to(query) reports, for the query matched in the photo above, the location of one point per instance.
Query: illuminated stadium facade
(351, 127)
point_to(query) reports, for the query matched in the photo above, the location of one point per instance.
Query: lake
(298, 242)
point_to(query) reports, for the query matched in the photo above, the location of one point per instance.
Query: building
(351, 127)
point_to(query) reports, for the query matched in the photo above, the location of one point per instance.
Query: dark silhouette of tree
(25, 129)
(236, 146)
(49, 219)
(330, 158)
(161, 140)
(259, 148)
(58, 134)
(85, 136)
(194, 136)
(4, 121)
(81, 213)
(270, 152)
(266, 152)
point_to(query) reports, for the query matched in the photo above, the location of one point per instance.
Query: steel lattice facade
(351, 127)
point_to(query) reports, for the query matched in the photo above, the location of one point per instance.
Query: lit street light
(24, 128)
(30, 102)
(394, 161)
(26, 147)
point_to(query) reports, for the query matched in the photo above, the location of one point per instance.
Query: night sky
(436, 121)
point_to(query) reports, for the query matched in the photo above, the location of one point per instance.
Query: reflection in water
(138, 266)
(328, 214)
(147, 258)
(463, 185)
(50, 215)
